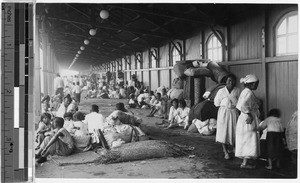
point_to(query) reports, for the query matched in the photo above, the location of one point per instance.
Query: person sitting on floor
(157, 105)
(68, 123)
(55, 103)
(172, 114)
(60, 144)
(141, 99)
(80, 132)
(44, 126)
(73, 107)
(120, 106)
(122, 92)
(133, 103)
(132, 90)
(95, 122)
(104, 93)
(152, 98)
(182, 117)
(163, 113)
(63, 106)
(45, 104)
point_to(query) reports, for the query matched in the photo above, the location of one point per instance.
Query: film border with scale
(16, 92)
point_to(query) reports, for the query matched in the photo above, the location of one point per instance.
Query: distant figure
(59, 85)
(77, 92)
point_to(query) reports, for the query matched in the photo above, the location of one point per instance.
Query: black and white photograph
(170, 90)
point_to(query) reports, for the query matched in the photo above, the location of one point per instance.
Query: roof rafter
(114, 27)
(164, 13)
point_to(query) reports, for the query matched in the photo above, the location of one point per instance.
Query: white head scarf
(249, 79)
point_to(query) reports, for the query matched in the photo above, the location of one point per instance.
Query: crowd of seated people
(226, 112)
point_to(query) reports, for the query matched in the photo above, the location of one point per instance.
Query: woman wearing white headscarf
(247, 138)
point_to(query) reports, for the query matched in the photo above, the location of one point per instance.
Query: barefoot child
(44, 126)
(61, 143)
(275, 137)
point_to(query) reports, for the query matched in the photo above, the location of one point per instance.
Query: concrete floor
(207, 163)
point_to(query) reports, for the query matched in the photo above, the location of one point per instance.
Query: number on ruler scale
(8, 139)
(11, 148)
(8, 91)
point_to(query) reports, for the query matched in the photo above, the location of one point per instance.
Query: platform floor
(207, 163)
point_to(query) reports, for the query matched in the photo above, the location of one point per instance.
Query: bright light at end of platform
(69, 72)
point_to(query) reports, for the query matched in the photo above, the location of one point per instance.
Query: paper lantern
(82, 47)
(104, 14)
(79, 52)
(93, 32)
(86, 42)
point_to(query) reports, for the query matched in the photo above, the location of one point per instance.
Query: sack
(177, 83)
(198, 72)
(142, 150)
(176, 93)
(203, 111)
(180, 67)
(206, 127)
(218, 73)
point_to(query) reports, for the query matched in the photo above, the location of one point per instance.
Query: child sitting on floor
(182, 117)
(44, 126)
(132, 101)
(45, 104)
(80, 132)
(275, 137)
(61, 143)
(68, 123)
(156, 106)
(172, 114)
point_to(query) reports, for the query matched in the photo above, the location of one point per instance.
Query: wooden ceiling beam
(91, 52)
(89, 55)
(113, 27)
(62, 40)
(164, 13)
(101, 38)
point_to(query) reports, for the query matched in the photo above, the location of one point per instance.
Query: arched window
(214, 49)
(153, 58)
(176, 53)
(138, 59)
(287, 35)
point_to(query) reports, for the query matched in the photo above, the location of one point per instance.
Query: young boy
(61, 143)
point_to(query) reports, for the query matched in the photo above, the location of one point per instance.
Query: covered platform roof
(130, 28)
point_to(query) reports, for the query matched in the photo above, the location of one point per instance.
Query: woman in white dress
(247, 137)
(226, 99)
